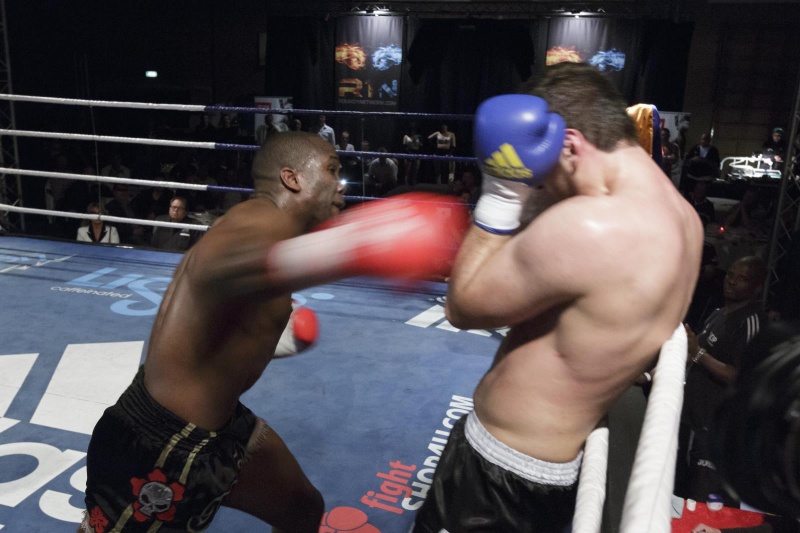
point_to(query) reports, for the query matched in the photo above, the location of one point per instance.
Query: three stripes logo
(505, 163)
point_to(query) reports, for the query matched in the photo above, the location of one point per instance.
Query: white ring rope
(109, 138)
(218, 108)
(108, 179)
(107, 218)
(100, 103)
(648, 501)
(588, 517)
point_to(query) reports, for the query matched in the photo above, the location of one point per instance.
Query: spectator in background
(363, 161)
(269, 127)
(670, 157)
(382, 172)
(151, 203)
(227, 129)
(349, 163)
(232, 178)
(174, 239)
(774, 148)
(79, 194)
(704, 207)
(296, 125)
(749, 213)
(704, 150)
(115, 168)
(55, 190)
(713, 364)
(445, 141)
(120, 206)
(701, 160)
(323, 130)
(97, 230)
(205, 131)
(412, 144)
(198, 200)
(466, 187)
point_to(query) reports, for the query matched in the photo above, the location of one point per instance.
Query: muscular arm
(499, 280)
(270, 254)
(230, 261)
(718, 369)
(478, 247)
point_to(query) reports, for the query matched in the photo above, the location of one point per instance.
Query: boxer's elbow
(460, 314)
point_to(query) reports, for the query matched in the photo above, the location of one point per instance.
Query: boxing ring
(367, 410)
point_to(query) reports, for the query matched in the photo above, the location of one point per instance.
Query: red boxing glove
(301, 332)
(407, 236)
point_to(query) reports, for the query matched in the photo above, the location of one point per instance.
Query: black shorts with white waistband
(482, 485)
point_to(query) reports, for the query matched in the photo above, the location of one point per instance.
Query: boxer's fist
(407, 236)
(301, 332)
(516, 142)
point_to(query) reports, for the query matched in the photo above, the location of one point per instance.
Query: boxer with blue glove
(516, 143)
(591, 288)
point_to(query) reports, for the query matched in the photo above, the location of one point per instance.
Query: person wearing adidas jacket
(713, 357)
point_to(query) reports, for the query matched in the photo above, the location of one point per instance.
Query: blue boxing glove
(516, 142)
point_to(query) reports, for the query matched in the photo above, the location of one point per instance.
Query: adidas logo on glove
(505, 163)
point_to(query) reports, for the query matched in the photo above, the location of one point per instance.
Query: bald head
(293, 149)
(744, 280)
(756, 267)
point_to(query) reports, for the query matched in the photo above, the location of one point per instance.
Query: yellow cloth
(642, 115)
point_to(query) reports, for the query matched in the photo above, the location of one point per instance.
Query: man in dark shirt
(704, 207)
(174, 239)
(775, 146)
(705, 151)
(713, 365)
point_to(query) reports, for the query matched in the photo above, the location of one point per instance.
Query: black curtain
(453, 65)
(300, 62)
(664, 56)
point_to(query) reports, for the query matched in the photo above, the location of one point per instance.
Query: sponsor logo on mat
(434, 317)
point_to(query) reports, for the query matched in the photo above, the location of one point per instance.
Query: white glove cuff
(501, 204)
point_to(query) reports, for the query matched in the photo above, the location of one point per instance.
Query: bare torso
(555, 375)
(211, 342)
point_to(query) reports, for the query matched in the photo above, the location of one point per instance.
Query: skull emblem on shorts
(155, 498)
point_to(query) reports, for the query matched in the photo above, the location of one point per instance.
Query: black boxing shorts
(482, 485)
(146, 465)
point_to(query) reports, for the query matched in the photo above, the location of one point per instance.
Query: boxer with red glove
(413, 235)
(516, 142)
(219, 325)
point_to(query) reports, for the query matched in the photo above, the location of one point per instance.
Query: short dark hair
(588, 102)
(292, 148)
(756, 266)
(181, 198)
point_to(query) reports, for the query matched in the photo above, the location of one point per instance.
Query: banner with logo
(604, 43)
(368, 55)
